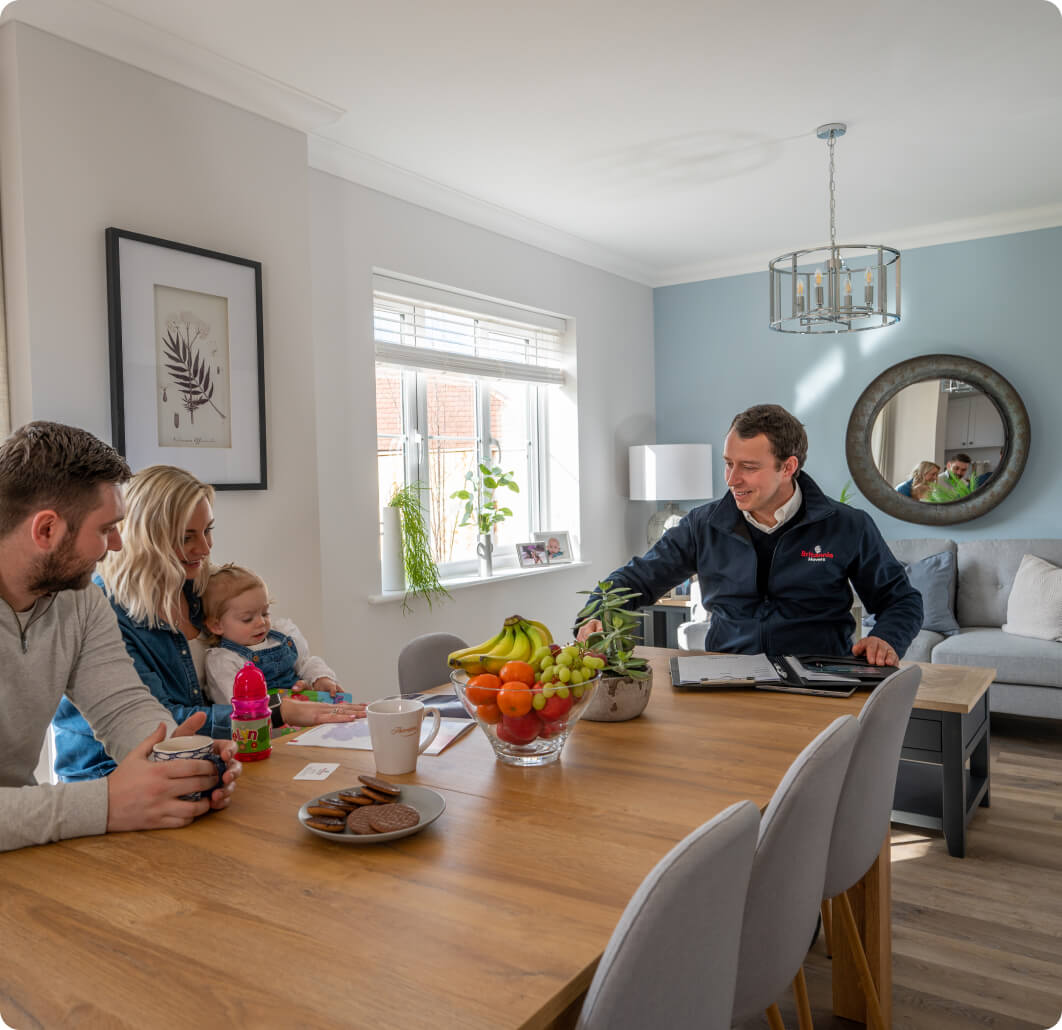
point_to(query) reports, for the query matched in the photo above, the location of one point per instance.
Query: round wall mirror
(937, 440)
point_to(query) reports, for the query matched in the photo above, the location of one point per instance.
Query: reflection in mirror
(937, 441)
(922, 431)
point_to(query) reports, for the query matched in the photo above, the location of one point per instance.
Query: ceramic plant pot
(618, 699)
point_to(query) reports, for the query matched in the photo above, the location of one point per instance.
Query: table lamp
(670, 472)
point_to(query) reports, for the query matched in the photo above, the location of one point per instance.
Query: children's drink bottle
(250, 714)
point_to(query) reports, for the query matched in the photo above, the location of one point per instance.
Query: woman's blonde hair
(225, 584)
(146, 577)
(924, 471)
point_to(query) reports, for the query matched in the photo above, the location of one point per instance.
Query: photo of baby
(558, 548)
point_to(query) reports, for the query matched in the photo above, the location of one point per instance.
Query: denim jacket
(163, 661)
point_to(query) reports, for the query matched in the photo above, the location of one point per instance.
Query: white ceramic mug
(198, 747)
(394, 726)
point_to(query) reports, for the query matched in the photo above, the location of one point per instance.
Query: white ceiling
(667, 141)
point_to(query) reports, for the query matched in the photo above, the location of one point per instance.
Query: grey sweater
(71, 644)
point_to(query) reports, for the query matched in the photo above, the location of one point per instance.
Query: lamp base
(662, 521)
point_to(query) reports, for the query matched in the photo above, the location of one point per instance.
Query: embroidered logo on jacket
(818, 555)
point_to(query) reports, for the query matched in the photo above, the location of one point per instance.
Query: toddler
(236, 610)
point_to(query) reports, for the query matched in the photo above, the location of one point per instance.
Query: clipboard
(720, 671)
(821, 675)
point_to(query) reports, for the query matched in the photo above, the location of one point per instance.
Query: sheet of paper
(354, 736)
(316, 771)
(814, 675)
(718, 667)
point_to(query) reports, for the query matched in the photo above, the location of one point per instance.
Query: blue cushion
(932, 577)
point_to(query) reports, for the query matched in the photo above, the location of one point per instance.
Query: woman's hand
(311, 713)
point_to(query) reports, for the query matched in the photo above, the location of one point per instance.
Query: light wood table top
(494, 916)
(951, 688)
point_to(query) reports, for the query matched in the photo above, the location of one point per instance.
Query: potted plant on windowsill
(483, 509)
(626, 680)
(413, 566)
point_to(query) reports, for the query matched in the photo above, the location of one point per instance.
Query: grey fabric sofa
(1028, 671)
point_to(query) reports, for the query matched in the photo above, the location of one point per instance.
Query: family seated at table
(64, 654)
(774, 558)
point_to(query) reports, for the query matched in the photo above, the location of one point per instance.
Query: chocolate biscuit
(375, 783)
(386, 818)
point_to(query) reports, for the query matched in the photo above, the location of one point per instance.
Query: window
(456, 387)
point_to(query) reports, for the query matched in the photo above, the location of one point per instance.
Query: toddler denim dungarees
(277, 663)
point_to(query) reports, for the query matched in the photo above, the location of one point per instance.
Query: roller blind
(424, 327)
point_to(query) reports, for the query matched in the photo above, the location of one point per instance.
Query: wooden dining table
(493, 916)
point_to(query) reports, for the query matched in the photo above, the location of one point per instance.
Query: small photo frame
(557, 544)
(186, 347)
(531, 555)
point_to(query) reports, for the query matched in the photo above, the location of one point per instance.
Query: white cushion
(1034, 608)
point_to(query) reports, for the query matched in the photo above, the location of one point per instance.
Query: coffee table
(944, 765)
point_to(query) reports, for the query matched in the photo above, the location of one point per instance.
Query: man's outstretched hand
(876, 651)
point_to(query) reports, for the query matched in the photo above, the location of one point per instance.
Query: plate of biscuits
(372, 812)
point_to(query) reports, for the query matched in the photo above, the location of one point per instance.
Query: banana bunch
(520, 640)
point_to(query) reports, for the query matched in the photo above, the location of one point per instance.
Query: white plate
(429, 803)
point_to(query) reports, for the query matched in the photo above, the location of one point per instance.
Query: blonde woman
(923, 477)
(155, 585)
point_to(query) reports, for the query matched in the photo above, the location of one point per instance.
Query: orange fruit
(483, 689)
(517, 672)
(514, 699)
(489, 713)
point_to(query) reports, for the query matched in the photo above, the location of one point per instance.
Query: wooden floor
(977, 941)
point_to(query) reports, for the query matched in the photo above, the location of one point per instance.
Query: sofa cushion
(1034, 607)
(921, 649)
(1015, 659)
(934, 578)
(986, 573)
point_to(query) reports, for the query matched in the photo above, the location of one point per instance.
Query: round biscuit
(326, 823)
(386, 818)
(383, 786)
(358, 821)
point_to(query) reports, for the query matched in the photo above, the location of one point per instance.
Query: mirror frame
(916, 370)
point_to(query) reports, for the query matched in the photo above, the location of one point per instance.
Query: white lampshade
(671, 472)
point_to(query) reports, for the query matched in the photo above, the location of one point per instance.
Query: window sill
(474, 581)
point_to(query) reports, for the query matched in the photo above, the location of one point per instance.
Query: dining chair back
(789, 868)
(863, 812)
(865, 804)
(422, 662)
(672, 959)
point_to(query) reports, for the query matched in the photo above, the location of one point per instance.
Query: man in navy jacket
(776, 555)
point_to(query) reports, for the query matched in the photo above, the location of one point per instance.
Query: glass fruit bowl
(537, 734)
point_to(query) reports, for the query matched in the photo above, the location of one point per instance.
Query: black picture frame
(186, 340)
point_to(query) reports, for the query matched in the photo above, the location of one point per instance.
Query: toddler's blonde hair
(226, 583)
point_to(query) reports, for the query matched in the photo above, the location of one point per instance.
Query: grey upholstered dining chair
(788, 872)
(672, 959)
(422, 662)
(862, 820)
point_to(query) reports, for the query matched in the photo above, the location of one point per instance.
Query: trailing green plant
(482, 507)
(422, 574)
(952, 488)
(617, 639)
(847, 494)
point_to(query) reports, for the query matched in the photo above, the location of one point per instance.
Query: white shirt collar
(782, 515)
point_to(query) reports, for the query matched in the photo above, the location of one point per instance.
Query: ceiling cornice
(957, 231)
(338, 159)
(98, 26)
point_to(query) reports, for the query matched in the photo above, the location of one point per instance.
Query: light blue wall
(996, 300)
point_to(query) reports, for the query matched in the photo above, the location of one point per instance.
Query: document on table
(354, 736)
(722, 670)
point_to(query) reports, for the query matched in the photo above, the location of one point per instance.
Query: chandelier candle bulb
(800, 296)
(868, 290)
(818, 289)
(848, 294)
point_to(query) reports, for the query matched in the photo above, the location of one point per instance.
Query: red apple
(556, 708)
(519, 729)
(552, 729)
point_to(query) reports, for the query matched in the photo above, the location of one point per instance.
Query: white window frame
(415, 362)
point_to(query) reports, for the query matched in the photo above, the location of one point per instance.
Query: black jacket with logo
(807, 605)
